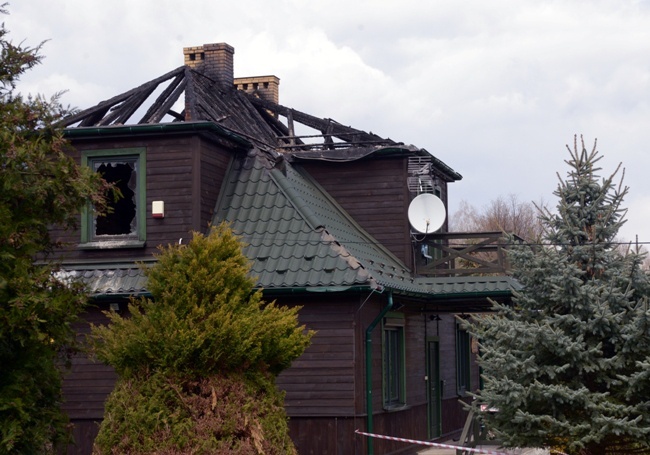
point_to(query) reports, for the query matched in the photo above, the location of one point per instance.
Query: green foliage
(566, 366)
(39, 186)
(223, 414)
(204, 323)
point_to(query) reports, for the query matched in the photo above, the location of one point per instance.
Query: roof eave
(157, 128)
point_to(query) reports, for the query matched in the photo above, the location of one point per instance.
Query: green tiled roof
(107, 280)
(129, 279)
(298, 237)
(468, 285)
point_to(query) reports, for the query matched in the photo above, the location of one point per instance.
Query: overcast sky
(495, 89)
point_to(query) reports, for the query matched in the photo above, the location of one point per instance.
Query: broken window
(120, 218)
(123, 224)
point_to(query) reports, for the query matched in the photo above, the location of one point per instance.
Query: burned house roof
(205, 99)
(296, 234)
(189, 93)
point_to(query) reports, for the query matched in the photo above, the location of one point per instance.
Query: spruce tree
(566, 366)
(197, 362)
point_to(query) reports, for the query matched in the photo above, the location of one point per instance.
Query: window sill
(112, 244)
(396, 407)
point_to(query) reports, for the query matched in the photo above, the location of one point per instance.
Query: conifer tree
(197, 362)
(566, 366)
(40, 185)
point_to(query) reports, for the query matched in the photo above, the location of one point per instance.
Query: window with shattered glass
(120, 219)
(123, 225)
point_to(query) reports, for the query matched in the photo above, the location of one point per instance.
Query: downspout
(371, 327)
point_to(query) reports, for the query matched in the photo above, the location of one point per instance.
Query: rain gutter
(465, 295)
(371, 327)
(316, 289)
(121, 295)
(179, 127)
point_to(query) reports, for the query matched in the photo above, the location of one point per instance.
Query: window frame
(137, 240)
(393, 361)
(463, 361)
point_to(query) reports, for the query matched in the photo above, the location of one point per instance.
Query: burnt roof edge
(359, 153)
(176, 127)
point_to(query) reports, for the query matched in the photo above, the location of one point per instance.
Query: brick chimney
(266, 87)
(214, 60)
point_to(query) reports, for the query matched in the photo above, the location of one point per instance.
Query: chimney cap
(210, 46)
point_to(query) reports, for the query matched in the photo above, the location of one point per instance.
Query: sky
(495, 89)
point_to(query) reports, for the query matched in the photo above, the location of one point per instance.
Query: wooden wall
(375, 193)
(325, 387)
(185, 171)
(86, 386)
(322, 381)
(88, 383)
(327, 435)
(214, 164)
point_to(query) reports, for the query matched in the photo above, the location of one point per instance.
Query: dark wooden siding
(375, 194)
(325, 371)
(88, 382)
(410, 423)
(321, 382)
(327, 435)
(86, 386)
(214, 165)
(325, 387)
(416, 391)
(184, 171)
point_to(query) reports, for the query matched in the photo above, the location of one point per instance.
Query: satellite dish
(427, 213)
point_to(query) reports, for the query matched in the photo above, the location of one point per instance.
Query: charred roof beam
(344, 133)
(94, 115)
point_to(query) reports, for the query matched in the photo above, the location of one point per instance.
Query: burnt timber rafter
(208, 100)
(328, 127)
(94, 115)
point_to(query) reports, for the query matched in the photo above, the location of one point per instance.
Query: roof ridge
(296, 199)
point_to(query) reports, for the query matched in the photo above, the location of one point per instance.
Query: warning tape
(434, 444)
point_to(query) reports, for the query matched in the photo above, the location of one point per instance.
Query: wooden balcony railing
(462, 254)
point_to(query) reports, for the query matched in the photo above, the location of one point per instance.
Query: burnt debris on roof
(204, 89)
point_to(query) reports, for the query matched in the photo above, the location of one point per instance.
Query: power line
(270, 241)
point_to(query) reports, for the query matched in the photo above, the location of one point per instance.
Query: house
(325, 219)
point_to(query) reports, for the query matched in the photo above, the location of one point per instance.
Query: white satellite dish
(427, 213)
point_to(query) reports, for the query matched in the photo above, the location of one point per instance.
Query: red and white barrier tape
(433, 444)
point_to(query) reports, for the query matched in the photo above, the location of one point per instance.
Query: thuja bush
(197, 361)
(222, 414)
